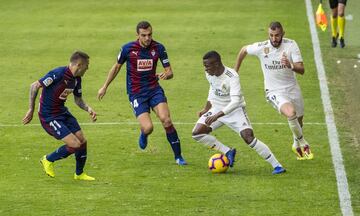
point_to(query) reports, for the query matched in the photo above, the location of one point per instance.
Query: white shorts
(277, 98)
(237, 120)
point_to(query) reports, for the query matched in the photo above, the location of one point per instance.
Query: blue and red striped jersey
(141, 65)
(57, 85)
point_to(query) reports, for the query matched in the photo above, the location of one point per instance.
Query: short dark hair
(212, 54)
(78, 55)
(275, 25)
(142, 25)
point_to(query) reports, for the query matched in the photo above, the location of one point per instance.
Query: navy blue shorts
(61, 126)
(142, 103)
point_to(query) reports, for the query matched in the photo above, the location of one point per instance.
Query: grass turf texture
(40, 35)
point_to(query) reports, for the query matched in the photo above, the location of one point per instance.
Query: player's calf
(247, 135)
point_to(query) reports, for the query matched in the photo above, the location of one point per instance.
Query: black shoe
(342, 43)
(334, 42)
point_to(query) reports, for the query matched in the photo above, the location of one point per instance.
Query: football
(218, 163)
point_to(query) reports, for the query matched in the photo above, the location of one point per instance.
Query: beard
(276, 44)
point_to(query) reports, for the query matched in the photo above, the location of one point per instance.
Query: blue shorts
(61, 126)
(142, 103)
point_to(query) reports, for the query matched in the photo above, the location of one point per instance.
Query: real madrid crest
(266, 50)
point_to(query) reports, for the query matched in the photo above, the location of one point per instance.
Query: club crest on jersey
(266, 51)
(48, 81)
(144, 64)
(153, 52)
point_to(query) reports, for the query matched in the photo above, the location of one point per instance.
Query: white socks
(211, 142)
(263, 150)
(297, 131)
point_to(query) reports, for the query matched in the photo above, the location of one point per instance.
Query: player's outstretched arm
(111, 76)
(34, 89)
(167, 74)
(240, 57)
(81, 103)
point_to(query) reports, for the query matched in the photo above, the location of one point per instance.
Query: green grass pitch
(38, 35)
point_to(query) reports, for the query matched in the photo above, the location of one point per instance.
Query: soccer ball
(218, 163)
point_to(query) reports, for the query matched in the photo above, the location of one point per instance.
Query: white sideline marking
(342, 184)
(136, 123)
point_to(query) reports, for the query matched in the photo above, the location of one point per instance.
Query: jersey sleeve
(254, 49)
(77, 90)
(50, 78)
(163, 56)
(295, 53)
(235, 88)
(123, 54)
(210, 94)
(235, 96)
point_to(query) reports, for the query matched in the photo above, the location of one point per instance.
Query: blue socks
(143, 140)
(80, 156)
(174, 140)
(64, 151)
(60, 153)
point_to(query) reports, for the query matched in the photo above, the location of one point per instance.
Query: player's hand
(101, 93)
(165, 75)
(285, 61)
(92, 114)
(28, 116)
(209, 120)
(202, 112)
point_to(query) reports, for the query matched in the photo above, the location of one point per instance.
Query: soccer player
(143, 89)
(280, 59)
(337, 21)
(56, 119)
(226, 105)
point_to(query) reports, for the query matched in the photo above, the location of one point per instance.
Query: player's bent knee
(74, 144)
(290, 115)
(72, 141)
(289, 112)
(166, 121)
(195, 132)
(83, 143)
(198, 137)
(200, 129)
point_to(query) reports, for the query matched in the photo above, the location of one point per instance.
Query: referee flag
(321, 20)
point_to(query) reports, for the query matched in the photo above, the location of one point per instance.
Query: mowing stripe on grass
(342, 184)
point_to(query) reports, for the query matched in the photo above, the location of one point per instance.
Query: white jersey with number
(224, 86)
(276, 75)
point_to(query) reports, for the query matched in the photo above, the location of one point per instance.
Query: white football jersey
(276, 75)
(224, 86)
